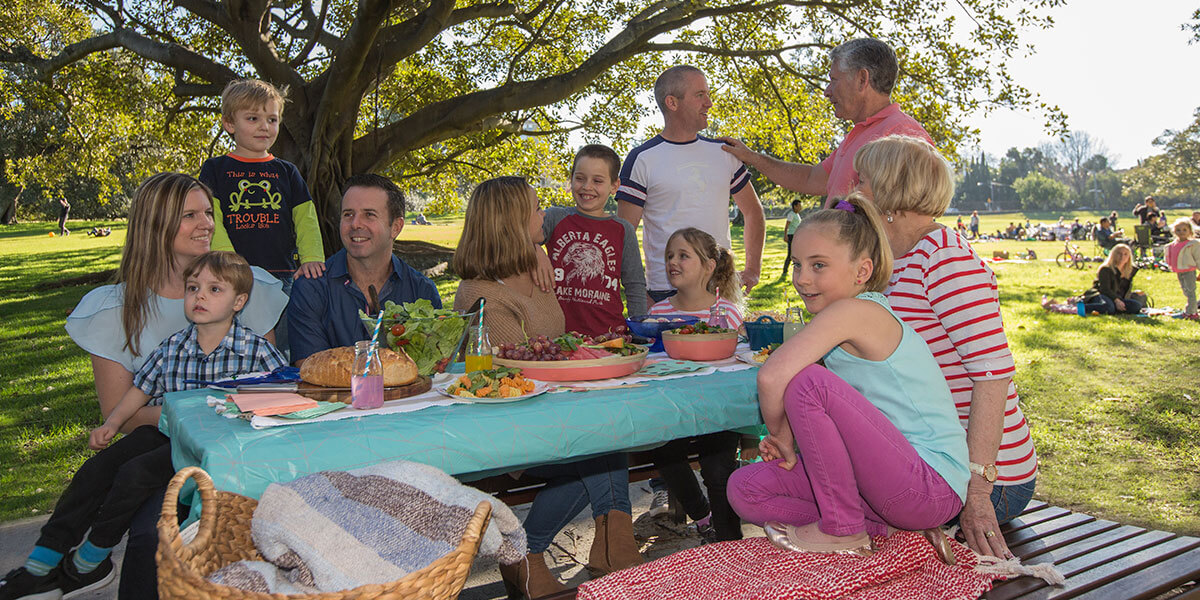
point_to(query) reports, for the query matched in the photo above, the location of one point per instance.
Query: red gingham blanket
(904, 566)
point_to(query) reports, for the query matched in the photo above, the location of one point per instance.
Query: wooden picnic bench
(1101, 560)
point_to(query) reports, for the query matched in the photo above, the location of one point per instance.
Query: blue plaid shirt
(179, 357)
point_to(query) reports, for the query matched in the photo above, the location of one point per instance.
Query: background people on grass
(883, 451)
(1111, 292)
(793, 222)
(681, 179)
(941, 288)
(170, 224)
(862, 74)
(1183, 256)
(323, 311)
(496, 259)
(1106, 237)
(593, 253)
(63, 211)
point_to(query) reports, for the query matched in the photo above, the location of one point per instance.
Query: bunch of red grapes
(541, 348)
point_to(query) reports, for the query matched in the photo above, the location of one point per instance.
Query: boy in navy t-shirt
(262, 207)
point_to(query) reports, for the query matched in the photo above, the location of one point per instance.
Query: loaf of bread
(332, 367)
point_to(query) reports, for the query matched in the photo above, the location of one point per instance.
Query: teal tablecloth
(463, 439)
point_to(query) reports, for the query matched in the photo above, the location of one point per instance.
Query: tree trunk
(9, 215)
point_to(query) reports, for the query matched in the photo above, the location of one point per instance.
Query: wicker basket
(224, 538)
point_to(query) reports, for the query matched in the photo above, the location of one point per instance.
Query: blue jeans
(602, 481)
(1011, 500)
(1106, 306)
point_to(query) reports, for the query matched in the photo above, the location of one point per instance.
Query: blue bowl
(763, 332)
(654, 329)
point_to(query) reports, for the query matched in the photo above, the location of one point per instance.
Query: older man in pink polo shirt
(862, 73)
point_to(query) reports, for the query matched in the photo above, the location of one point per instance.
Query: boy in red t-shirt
(592, 252)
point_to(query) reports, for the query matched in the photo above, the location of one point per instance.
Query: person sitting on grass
(1183, 256)
(108, 489)
(1106, 237)
(1111, 292)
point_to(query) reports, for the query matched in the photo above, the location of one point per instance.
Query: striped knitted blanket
(338, 530)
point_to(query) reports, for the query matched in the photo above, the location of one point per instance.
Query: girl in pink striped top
(944, 291)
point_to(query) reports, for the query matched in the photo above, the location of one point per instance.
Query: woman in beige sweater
(496, 257)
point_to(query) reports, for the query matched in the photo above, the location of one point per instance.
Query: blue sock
(41, 560)
(88, 556)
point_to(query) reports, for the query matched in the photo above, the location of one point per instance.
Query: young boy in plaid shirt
(108, 489)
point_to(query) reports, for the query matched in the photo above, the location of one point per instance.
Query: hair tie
(844, 205)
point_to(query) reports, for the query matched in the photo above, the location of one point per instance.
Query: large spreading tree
(443, 93)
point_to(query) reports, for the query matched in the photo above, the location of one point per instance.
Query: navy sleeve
(306, 315)
(299, 189)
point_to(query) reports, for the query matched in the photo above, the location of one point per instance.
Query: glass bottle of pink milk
(366, 380)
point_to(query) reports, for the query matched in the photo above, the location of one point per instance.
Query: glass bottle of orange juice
(479, 349)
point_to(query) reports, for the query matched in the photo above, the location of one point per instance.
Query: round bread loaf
(332, 367)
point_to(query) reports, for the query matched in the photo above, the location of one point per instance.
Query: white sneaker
(658, 504)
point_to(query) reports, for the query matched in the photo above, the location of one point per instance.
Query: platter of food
(326, 375)
(493, 386)
(700, 341)
(756, 357)
(573, 357)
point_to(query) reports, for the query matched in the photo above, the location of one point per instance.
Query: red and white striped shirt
(947, 294)
(732, 314)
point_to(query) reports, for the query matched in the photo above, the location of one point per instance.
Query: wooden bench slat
(1021, 586)
(1150, 582)
(1026, 521)
(1053, 540)
(1029, 535)
(1114, 567)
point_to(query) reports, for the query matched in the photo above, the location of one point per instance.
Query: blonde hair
(1124, 250)
(225, 266)
(862, 230)
(241, 94)
(725, 275)
(906, 173)
(495, 240)
(149, 253)
(1183, 229)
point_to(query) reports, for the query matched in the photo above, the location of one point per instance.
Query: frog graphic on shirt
(247, 196)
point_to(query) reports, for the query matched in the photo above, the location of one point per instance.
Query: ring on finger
(990, 534)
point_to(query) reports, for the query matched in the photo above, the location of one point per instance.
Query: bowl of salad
(699, 341)
(430, 336)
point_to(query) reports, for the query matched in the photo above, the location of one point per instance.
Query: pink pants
(855, 471)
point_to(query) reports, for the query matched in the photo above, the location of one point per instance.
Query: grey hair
(670, 83)
(875, 56)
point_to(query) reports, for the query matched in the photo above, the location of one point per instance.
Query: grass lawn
(1112, 401)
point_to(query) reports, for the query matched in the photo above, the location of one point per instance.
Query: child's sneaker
(20, 584)
(75, 583)
(659, 504)
(708, 534)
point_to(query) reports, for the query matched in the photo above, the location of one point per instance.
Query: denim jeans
(602, 481)
(1011, 500)
(1106, 306)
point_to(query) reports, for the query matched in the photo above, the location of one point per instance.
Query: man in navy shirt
(323, 312)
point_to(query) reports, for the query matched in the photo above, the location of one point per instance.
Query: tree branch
(688, 47)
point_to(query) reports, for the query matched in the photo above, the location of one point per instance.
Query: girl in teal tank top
(869, 441)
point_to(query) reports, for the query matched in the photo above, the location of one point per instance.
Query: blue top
(909, 389)
(323, 312)
(180, 358)
(95, 323)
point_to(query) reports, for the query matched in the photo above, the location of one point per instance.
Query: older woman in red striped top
(944, 291)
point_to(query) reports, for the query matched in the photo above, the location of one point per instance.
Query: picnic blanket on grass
(904, 566)
(338, 530)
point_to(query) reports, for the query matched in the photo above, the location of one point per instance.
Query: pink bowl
(700, 346)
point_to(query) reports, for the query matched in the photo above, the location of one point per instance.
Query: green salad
(429, 335)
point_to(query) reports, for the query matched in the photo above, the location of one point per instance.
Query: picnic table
(469, 441)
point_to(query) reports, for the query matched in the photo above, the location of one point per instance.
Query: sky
(1122, 71)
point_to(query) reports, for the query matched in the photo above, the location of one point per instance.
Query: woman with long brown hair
(496, 258)
(170, 224)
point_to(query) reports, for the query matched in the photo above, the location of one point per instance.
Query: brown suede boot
(530, 578)
(613, 548)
